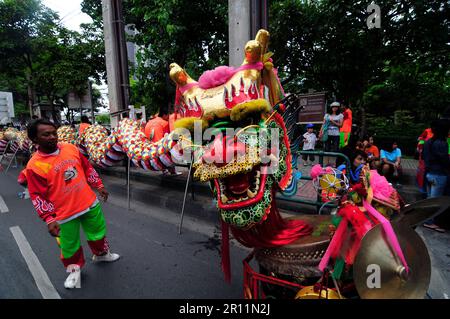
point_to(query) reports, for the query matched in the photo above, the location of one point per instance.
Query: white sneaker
(108, 257)
(74, 278)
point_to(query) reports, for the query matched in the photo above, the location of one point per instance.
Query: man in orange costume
(156, 128)
(83, 125)
(59, 181)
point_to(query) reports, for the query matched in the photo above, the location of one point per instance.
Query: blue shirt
(391, 156)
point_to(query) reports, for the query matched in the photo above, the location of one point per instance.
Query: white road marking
(3, 207)
(37, 271)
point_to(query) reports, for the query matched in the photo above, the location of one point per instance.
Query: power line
(78, 11)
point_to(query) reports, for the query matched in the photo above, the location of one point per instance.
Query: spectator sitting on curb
(358, 159)
(391, 163)
(373, 153)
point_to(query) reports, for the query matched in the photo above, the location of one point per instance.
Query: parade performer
(84, 124)
(156, 128)
(59, 180)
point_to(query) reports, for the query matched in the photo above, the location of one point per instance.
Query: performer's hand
(104, 194)
(53, 229)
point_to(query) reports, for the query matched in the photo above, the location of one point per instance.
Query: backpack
(325, 125)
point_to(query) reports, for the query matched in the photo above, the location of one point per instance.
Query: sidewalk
(408, 189)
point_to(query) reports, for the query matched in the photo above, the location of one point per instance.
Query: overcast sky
(69, 13)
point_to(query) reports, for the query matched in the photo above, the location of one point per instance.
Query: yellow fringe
(240, 111)
(188, 123)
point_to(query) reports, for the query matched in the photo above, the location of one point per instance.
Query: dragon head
(244, 149)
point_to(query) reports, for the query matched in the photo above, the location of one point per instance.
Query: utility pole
(245, 18)
(91, 98)
(259, 16)
(116, 57)
(238, 30)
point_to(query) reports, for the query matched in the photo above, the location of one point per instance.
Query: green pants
(343, 139)
(94, 227)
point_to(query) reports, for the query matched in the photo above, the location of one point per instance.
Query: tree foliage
(326, 45)
(191, 33)
(323, 45)
(41, 58)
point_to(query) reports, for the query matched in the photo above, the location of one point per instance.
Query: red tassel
(360, 226)
(226, 266)
(338, 239)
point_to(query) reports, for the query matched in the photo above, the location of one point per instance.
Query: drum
(297, 262)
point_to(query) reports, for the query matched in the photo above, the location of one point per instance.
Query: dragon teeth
(251, 194)
(224, 199)
(273, 158)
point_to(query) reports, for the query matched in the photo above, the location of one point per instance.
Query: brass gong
(379, 274)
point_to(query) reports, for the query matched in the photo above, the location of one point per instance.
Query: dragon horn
(255, 49)
(179, 75)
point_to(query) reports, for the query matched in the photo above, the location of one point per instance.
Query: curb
(153, 194)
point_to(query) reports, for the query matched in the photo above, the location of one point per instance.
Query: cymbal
(390, 280)
(418, 212)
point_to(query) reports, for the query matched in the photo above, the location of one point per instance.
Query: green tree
(192, 33)
(21, 24)
(322, 45)
(40, 57)
(103, 119)
(326, 45)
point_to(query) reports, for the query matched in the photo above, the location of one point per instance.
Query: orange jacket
(347, 123)
(426, 135)
(59, 183)
(83, 126)
(373, 150)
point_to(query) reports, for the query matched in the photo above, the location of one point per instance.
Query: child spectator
(359, 146)
(373, 153)
(309, 143)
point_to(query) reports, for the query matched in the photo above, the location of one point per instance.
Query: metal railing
(318, 202)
